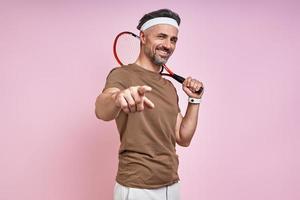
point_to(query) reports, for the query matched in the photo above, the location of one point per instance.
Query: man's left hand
(190, 86)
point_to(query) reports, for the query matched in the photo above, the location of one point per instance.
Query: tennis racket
(126, 49)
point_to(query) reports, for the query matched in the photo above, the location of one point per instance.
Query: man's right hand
(133, 99)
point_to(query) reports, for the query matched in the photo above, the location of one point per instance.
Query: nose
(167, 44)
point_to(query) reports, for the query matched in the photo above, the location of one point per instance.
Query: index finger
(187, 81)
(143, 89)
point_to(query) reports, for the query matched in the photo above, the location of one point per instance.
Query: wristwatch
(194, 100)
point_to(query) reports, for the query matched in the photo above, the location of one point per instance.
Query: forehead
(163, 28)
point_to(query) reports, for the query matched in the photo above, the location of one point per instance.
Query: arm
(105, 107)
(113, 100)
(186, 126)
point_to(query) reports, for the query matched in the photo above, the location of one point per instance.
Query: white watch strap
(194, 100)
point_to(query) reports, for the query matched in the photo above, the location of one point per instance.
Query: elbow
(107, 120)
(186, 144)
(183, 143)
(97, 115)
(102, 117)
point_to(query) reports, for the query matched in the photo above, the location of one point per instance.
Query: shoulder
(170, 84)
(119, 71)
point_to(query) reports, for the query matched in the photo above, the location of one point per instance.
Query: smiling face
(159, 42)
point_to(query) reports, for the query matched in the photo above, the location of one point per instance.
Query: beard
(156, 58)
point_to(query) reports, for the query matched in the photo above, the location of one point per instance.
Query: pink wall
(54, 58)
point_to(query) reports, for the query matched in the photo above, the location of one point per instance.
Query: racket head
(126, 47)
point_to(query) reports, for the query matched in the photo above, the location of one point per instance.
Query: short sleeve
(117, 78)
(177, 98)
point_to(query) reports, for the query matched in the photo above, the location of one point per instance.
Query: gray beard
(158, 61)
(155, 58)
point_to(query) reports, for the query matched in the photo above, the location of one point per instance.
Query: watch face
(194, 101)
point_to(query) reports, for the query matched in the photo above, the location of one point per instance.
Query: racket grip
(180, 79)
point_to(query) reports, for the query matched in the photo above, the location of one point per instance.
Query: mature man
(148, 118)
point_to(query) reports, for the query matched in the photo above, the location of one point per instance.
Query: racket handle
(180, 79)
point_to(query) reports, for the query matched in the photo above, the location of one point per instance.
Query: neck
(145, 63)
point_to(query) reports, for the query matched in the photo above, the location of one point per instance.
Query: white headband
(159, 20)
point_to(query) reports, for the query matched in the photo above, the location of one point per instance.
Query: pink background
(55, 55)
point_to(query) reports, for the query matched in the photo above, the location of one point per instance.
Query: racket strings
(127, 48)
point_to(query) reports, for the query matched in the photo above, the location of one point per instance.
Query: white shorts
(171, 192)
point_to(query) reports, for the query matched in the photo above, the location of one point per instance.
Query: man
(145, 107)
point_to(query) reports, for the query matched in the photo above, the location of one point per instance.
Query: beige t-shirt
(147, 155)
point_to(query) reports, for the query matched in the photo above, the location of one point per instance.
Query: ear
(142, 37)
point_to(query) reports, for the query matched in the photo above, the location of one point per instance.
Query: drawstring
(167, 193)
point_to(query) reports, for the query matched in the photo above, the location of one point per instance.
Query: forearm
(189, 123)
(105, 107)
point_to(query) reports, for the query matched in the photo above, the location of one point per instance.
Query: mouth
(163, 53)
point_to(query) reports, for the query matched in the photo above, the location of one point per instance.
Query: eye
(174, 40)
